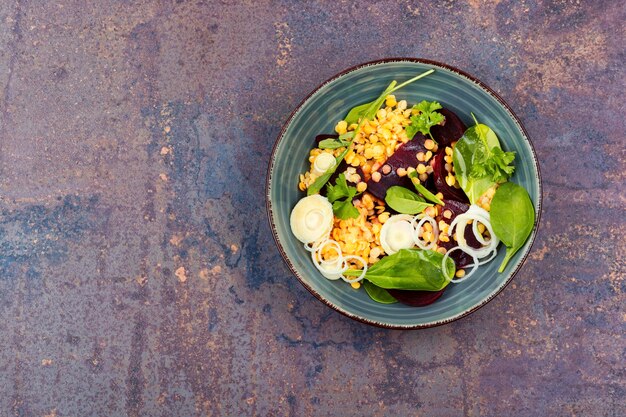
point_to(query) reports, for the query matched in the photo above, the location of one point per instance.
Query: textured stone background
(138, 275)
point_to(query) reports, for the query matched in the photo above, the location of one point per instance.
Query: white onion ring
(361, 276)
(477, 234)
(416, 229)
(493, 255)
(474, 214)
(337, 248)
(465, 277)
(326, 267)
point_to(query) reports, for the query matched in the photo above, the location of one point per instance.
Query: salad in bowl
(407, 198)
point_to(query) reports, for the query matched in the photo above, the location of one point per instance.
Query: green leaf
(512, 218)
(423, 190)
(340, 190)
(405, 201)
(356, 113)
(380, 295)
(468, 159)
(345, 210)
(480, 162)
(333, 144)
(427, 118)
(411, 269)
(341, 195)
(323, 179)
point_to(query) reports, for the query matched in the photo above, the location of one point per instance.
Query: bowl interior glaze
(321, 110)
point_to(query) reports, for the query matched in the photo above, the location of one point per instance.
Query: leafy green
(480, 162)
(341, 195)
(333, 144)
(367, 111)
(425, 119)
(423, 190)
(512, 218)
(341, 189)
(405, 201)
(380, 295)
(345, 210)
(411, 269)
(340, 142)
(323, 179)
(356, 113)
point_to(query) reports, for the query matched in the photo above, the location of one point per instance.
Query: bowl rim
(283, 253)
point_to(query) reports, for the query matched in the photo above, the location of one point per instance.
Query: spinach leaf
(340, 142)
(425, 119)
(468, 153)
(332, 144)
(405, 201)
(411, 269)
(512, 218)
(356, 113)
(380, 295)
(423, 190)
(480, 162)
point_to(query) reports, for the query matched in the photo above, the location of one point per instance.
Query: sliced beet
(439, 174)
(456, 207)
(404, 157)
(416, 298)
(452, 129)
(461, 259)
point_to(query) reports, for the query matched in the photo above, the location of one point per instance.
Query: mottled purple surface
(138, 275)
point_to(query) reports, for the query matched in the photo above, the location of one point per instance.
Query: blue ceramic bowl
(319, 113)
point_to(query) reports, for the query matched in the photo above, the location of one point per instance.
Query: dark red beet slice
(439, 174)
(416, 298)
(405, 156)
(461, 259)
(452, 129)
(456, 207)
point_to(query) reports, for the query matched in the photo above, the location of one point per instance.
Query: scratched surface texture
(138, 276)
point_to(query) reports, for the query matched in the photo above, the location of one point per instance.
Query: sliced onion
(391, 246)
(361, 276)
(465, 277)
(479, 237)
(493, 255)
(337, 248)
(330, 269)
(416, 229)
(474, 214)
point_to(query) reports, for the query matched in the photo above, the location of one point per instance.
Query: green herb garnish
(479, 161)
(425, 119)
(405, 201)
(341, 195)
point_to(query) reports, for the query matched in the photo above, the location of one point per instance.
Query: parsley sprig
(491, 161)
(341, 195)
(425, 119)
